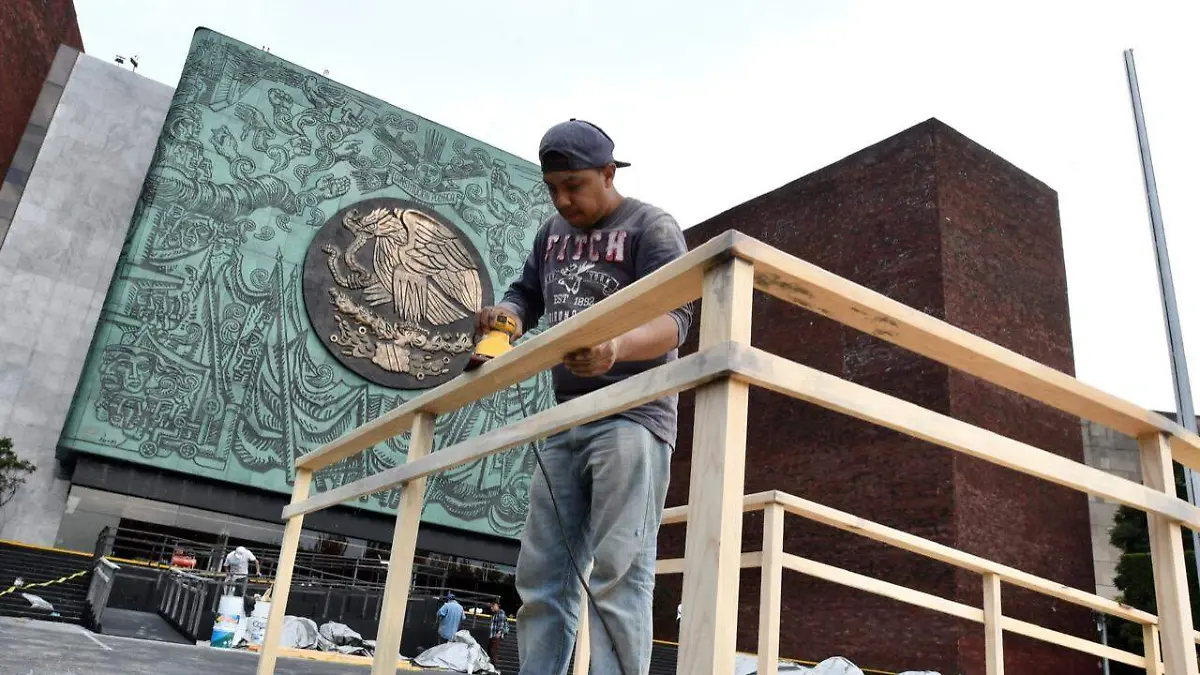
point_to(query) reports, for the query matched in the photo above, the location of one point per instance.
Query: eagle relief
(392, 290)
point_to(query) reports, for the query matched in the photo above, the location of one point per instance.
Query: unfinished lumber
(916, 598)
(712, 549)
(930, 549)
(993, 630)
(283, 578)
(1167, 561)
(807, 285)
(670, 378)
(807, 384)
(404, 547)
(770, 591)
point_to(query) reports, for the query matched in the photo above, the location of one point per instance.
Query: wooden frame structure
(725, 272)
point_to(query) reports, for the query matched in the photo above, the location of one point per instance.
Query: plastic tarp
(345, 639)
(299, 633)
(302, 633)
(835, 666)
(747, 664)
(38, 602)
(462, 654)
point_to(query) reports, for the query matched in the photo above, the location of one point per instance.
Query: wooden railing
(773, 559)
(725, 272)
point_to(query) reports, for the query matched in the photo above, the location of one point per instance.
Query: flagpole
(1179, 370)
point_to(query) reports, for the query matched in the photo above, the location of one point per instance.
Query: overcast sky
(717, 102)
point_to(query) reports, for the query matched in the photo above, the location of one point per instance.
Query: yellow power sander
(497, 341)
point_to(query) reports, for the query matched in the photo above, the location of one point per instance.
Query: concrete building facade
(58, 257)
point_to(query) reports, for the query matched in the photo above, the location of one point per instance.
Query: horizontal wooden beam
(791, 378)
(685, 373)
(886, 589)
(675, 565)
(909, 542)
(758, 501)
(935, 603)
(1071, 642)
(668, 288)
(802, 283)
(892, 537)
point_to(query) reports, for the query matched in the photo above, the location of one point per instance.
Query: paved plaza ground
(42, 648)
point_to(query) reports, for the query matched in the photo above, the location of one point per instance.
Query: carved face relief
(392, 291)
(126, 371)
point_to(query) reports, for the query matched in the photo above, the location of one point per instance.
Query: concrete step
(32, 574)
(16, 601)
(43, 616)
(34, 566)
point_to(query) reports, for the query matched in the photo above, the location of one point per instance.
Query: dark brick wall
(30, 33)
(1005, 280)
(878, 218)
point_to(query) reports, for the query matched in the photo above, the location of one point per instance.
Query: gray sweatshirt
(570, 269)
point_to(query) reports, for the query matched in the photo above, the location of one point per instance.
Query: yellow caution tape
(40, 584)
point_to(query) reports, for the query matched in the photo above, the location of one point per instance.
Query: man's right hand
(489, 315)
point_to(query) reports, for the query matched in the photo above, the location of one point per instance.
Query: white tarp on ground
(747, 664)
(835, 666)
(462, 654)
(38, 602)
(344, 639)
(298, 633)
(302, 633)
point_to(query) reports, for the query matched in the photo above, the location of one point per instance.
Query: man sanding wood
(609, 477)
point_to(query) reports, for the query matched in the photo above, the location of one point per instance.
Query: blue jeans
(610, 478)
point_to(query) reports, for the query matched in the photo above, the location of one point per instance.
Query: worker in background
(449, 617)
(237, 566)
(497, 632)
(610, 476)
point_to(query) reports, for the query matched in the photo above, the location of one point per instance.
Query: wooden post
(1166, 557)
(1152, 650)
(283, 578)
(993, 617)
(712, 552)
(404, 547)
(583, 638)
(769, 595)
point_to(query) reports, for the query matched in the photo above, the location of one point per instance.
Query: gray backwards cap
(576, 145)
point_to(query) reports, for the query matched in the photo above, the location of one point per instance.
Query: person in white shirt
(237, 564)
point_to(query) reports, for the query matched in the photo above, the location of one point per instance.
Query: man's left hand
(593, 361)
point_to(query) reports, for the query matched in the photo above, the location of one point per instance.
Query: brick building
(30, 33)
(933, 220)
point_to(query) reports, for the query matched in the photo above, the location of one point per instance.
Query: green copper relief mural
(304, 258)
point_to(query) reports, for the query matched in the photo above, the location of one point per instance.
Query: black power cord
(562, 528)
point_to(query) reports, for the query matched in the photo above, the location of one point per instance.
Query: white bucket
(258, 622)
(229, 615)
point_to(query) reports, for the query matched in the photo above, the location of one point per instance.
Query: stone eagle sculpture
(419, 267)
